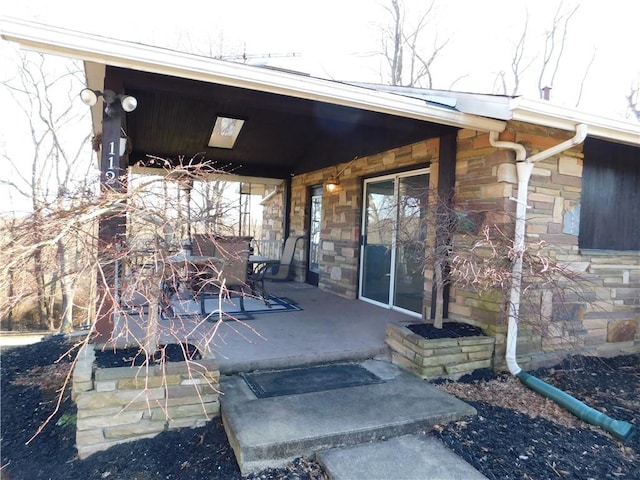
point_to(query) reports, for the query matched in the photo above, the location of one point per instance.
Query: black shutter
(610, 207)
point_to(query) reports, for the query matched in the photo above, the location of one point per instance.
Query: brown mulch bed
(521, 434)
(516, 434)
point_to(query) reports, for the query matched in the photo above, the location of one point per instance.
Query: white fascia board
(547, 114)
(135, 56)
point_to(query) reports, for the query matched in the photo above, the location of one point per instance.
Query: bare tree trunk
(439, 313)
(66, 292)
(51, 301)
(552, 45)
(38, 273)
(396, 56)
(397, 43)
(10, 293)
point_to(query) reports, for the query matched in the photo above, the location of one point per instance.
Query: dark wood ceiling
(282, 136)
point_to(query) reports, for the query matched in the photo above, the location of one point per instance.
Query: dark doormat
(309, 379)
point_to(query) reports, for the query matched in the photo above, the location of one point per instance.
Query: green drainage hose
(622, 430)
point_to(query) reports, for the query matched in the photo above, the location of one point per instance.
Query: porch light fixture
(111, 99)
(225, 132)
(332, 183)
(334, 180)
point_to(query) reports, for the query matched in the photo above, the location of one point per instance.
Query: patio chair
(203, 245)
(279, 272)
(230, 268)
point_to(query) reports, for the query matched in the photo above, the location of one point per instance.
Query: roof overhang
(537, 112)
(547, 114)
(107, 51)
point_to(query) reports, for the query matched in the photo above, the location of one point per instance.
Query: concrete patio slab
(328, 329)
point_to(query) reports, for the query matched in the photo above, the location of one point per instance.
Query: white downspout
(524, 168)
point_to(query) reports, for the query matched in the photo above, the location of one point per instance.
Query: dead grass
(48, 378)
(509, 392)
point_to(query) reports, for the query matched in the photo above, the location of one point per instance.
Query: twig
(553, 467)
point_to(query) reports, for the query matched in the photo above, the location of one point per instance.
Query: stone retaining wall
(117, 405)
(432, 358)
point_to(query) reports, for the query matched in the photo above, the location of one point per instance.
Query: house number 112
(110, 174)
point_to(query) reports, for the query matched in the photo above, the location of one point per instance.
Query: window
(225, 132)
(610, 206)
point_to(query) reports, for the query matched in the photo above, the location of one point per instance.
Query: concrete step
(415, 457)
(269, 432)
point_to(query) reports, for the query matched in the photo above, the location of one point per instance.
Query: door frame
(312, 277)
(396, 175)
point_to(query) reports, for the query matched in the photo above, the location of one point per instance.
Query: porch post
(286, 221)
(446, 186)
(111, 228)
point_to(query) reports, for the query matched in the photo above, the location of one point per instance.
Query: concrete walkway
(268, 432)
(369, 431)
(375, 431)
(412, 457)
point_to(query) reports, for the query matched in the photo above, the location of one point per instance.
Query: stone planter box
(433, 358)
(118, 405)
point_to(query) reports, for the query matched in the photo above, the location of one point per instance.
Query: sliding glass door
(393, 240)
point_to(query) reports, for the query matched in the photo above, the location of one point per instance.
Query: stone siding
(342, 209)
(272, 218)
(597, 315)
(118, 405)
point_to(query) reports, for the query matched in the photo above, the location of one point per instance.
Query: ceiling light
(128, 103)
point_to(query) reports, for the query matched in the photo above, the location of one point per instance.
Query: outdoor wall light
(333, 181)
(127, 102)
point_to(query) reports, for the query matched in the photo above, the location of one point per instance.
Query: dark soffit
(282, 135)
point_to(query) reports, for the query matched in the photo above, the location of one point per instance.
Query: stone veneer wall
(118, 405)
(603, 317)
(342, 209)
(272, 218)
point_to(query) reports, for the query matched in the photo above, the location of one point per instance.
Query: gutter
(524, 168)
(269, 196)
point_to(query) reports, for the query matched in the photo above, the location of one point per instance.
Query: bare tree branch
(633, 100)
(402, 46)
(584, 76)
(516, 60)
(551, 44)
